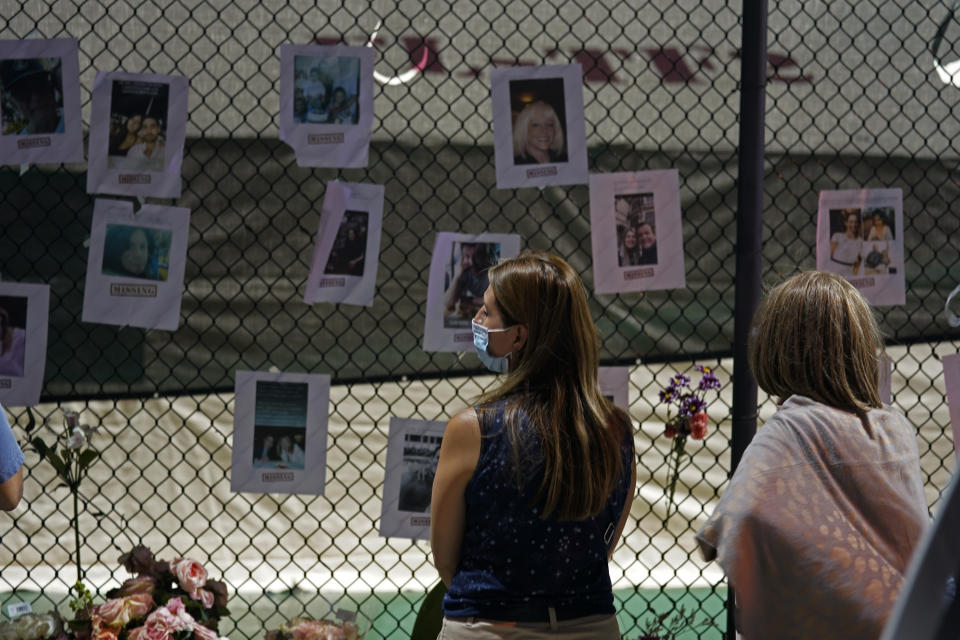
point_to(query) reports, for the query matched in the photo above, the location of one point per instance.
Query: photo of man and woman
(31, 96)
(862, 241)
(138, 125)
(538, 115)
(350, 245)
(136, 252)
(13, 335)
(280, 425)
(326, 90)
(636, 229)
(465, 280)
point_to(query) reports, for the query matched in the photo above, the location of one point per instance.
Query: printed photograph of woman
(13, 335)
(878, 246)
(31, 96)
(138, 120)
(538, 135)
(136, 252)
(846, 243)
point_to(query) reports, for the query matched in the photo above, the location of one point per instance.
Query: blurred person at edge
(818, 523)
(534, 484)
(11, 466)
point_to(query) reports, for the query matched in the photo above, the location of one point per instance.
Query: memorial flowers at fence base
(669, 625)
(33, 626)
(309, 629)
(172, 600)
(690, 421)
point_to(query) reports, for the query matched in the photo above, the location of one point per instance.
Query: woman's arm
(11, 491)
(625, 514)
(11, 467)
(459, 453)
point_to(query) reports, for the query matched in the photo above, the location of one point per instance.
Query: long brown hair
(815, 335)
(553, 379)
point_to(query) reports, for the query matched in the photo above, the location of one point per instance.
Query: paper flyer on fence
(136, 264)
(138, 124)
(40, 101)
(951, 379)
(615, 385)
(412, 453)
(538, 126)
(326, 103)
(636, 231)
(24, 318)
(346, 253)
(458, 278)
(280, 432)
(860, 237)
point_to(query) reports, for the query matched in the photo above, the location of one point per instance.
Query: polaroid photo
(24, 318)
(637, 231)
(347, 249)
(138, 125)
(280, 432)
(326, 104)
(458, 278)
(860, 237)
(538, 126)
(615, 385)
(951, 379)
(413, 450)
(40, 101)
(136, 265)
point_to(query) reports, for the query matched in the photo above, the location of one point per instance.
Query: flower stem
(76, 531)
(674, 471)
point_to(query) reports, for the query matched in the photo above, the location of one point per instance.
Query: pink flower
(175, 606)
(141, 584)
(698, 426)
(205, 597)
(189, 573)
(106, 634)
(201, 632)
(117, 612)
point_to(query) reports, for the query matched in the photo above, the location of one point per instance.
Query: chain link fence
(852, 101)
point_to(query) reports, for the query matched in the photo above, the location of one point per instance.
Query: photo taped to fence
(413, 449)
(24, 320)
(13, 335)
(138, 125)
(280, 425)
(40, 101)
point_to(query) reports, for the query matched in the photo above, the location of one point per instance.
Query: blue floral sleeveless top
(513, 564)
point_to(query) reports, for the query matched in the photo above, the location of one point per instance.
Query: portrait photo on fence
(280, 432)
(346, 252)
(458, 278)
(137, 134)
(326, 103)
(40, 102)
(637, 231)
(538, 126)
(413, 449)
(24, 310)
(860, 237)
(136, 265)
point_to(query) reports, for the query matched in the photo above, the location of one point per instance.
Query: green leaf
(58, 463)
(31, 421)
(40, 446)
(86, 457)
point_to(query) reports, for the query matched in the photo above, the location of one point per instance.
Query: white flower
(77, 438)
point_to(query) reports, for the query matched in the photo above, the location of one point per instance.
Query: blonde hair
(554, 381)
(815, 335)
(523, 122)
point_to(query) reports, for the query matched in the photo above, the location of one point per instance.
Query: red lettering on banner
(670, 64)
(777, 62)
(423, 54)
(596, 68)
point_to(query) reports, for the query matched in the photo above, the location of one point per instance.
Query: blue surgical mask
(481, 340)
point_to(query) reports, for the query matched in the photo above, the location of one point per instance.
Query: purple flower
(680, 380)
(667, 395)
(690, 405)
(708, 381)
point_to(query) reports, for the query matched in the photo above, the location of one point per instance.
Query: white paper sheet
(326, 103)
(412, 453)
(538, 126)
(347, 249)
(137, 132)
(860, 236)
(615, 384)
(636, 231)
(40, 106)
(951, 378)
(280, 432)
(136, 265)
(457, 281)
(24, 318)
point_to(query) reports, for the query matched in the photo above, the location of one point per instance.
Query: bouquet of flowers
(691, 419)
(309, 629)
(667, 626)
(164, 601)
(33, 626)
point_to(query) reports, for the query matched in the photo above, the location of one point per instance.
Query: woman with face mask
(534, 483)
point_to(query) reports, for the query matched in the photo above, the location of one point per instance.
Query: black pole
(753, 77)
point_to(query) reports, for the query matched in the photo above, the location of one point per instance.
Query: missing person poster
(136, 265)
(347, 249)
(615, 385)
(458, 278)
(412, 453)
(24, 313)
(40, 102)
(860, 237)
(280, 432)
(636, 231)
(137, 132)
(326, 103)
(538, 126)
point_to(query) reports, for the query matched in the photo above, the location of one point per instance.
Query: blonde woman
(534, 484)
(538, 135)
(819, 521)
